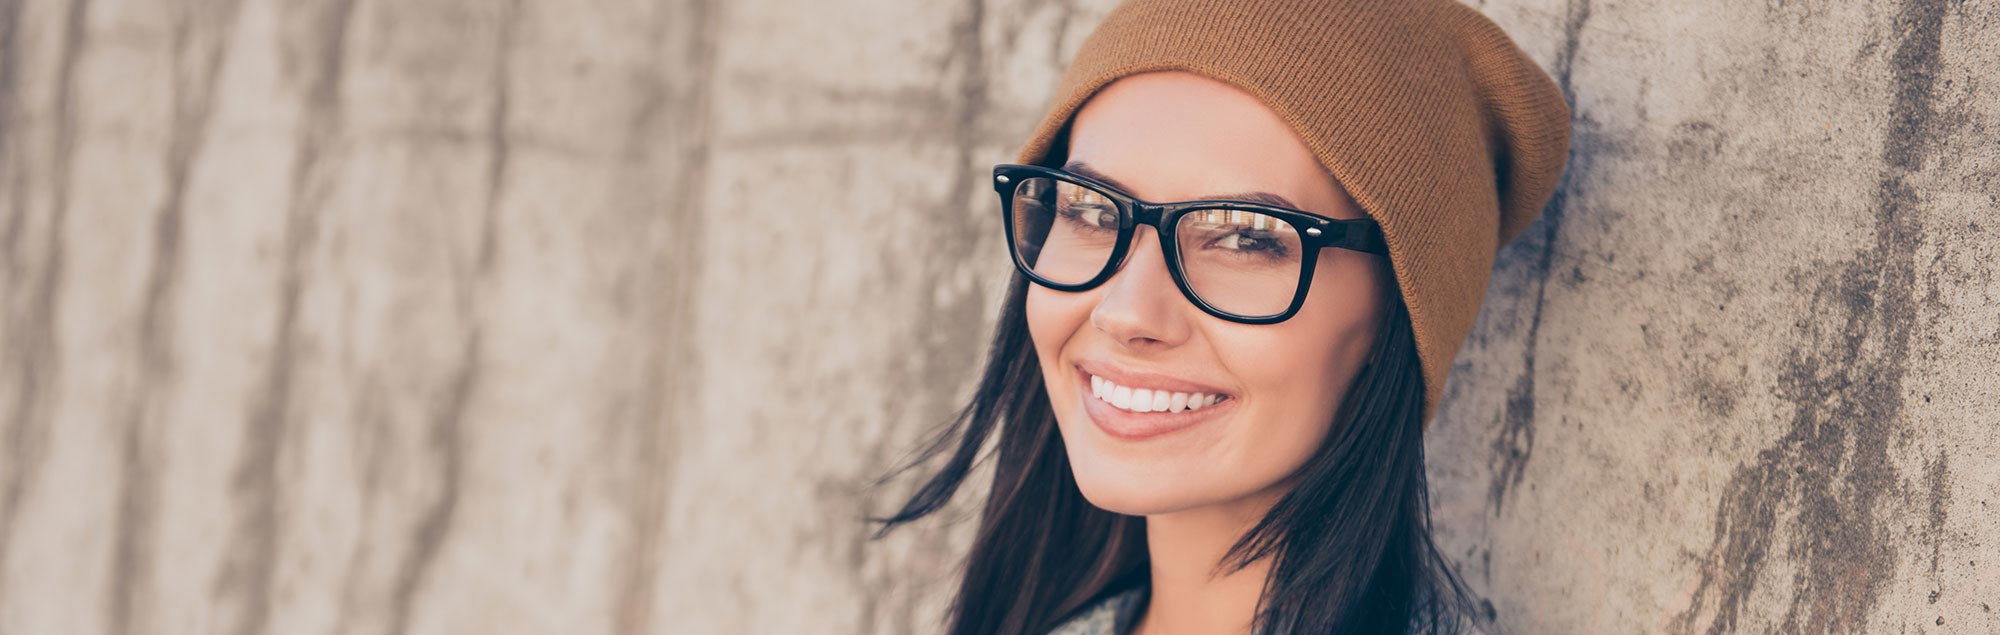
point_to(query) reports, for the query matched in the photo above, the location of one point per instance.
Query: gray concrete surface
(463, 316)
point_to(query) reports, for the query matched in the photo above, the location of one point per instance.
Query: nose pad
(1140, 303)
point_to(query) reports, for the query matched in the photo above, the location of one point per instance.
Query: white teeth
(1149, 400)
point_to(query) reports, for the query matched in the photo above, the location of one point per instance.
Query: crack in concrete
(496, 135)
(447, 441)
(687, 110)
(10, 181)
(37, 360)
(447, 427)
(373, 425)
(1515, 443)
(252, 559)
(950, 317)
(201, 42)
(1937, 483)
(647, 418)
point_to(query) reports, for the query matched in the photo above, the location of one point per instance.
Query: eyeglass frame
(1315, 232)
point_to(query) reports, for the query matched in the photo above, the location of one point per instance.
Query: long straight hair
(1350, 543)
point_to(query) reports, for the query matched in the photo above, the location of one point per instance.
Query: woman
(1249, 237)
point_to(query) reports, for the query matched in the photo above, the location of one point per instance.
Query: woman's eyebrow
(1264, 198)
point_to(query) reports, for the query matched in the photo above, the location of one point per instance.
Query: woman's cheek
(1051, 326)
(1042, 328)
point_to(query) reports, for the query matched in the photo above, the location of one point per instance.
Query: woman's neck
(1186, 596)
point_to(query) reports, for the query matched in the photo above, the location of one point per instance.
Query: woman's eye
(1243, 241)
(1239, 233)
(1089, 211)
(1252, 242)
(1092, 219)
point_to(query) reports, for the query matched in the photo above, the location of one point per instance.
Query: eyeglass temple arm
(1358, 234)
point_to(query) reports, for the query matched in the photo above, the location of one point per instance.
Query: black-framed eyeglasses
(1240, 261)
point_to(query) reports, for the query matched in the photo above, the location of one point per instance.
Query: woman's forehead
(1168, 136)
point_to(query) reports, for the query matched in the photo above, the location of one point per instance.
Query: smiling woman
(1200, 477)
(1248, 238)
(1137, 332)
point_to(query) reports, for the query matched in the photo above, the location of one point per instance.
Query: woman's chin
(1140, 480)
(1137, 496)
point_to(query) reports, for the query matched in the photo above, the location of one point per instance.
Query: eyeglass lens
(1238, 261)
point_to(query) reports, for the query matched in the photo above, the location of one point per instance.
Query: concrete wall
(466, 316)
(1746, 375)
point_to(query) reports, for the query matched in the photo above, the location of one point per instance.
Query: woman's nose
(1140, 306)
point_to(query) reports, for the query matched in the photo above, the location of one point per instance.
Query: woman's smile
(1144, 406)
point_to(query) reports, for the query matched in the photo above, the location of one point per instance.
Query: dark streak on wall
(1515, 442)
(949, 316)
(1937, 486)
(663, 393)
(200, 44)
(691, 28)
(243, 589)
(37, 360)
(1830, 476)
(446, 441)
(10, 166)
(447, 425)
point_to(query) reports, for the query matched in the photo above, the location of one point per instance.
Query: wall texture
(477, 316)
(1743, 377)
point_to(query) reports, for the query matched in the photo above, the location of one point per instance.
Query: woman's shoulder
(1110, 615)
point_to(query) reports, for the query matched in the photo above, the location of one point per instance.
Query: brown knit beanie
(1436, 123)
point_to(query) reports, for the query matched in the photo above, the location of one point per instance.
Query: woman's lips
(1135, 426)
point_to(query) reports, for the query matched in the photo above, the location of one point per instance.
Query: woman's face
(1172, 136)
